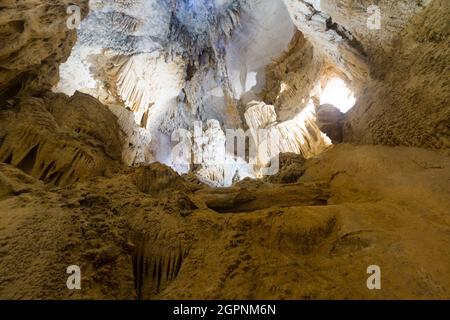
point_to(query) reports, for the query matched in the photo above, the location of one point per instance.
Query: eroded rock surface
(313, 239)
(58, 139)
(35, 40)
(81, 182)
(330, 121)
(408, 105)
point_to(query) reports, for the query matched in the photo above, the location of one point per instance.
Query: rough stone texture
(399, 73)
(410, 104)
(35, 40)
(335, 42)
(308, 232)
(159, 60)
(292, 77)
(329, 120)
(157, 178)
(137, 140)
(376, 44)
(291, 168)
(58, 139)
(301, 135)
(353, 207)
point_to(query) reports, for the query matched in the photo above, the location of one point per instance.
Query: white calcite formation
(172, 63)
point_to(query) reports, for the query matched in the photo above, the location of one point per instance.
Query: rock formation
(59, 139)
(329, 120)
(35, 40)
(179, 149)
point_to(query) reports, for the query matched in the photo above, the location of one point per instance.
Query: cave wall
(53, 137)
(356, 16)
(148, 233)
(338, 45)
(172, 73)
(291, 77)
(409, 103)
(35, 40)
(399, 73)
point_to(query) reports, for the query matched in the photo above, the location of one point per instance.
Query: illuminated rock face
(162, 65)
(408, 102)
(374, 59)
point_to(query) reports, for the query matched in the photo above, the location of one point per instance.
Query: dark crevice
(8, 159)
(347, 36)
(27, 163)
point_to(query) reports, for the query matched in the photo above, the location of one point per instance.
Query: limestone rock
(157, 178)
(301, 135)
(291, 78)
(77, 185)
(60, 140)
(291, 169)
(409, 105)
(337, 43)
(352, 205)
(35, 40)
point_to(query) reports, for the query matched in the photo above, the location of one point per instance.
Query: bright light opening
(338, 94)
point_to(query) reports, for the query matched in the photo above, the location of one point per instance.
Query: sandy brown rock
(157, 178)
(290, 170)
(399, 73)
(130, 244)
(409, 105)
